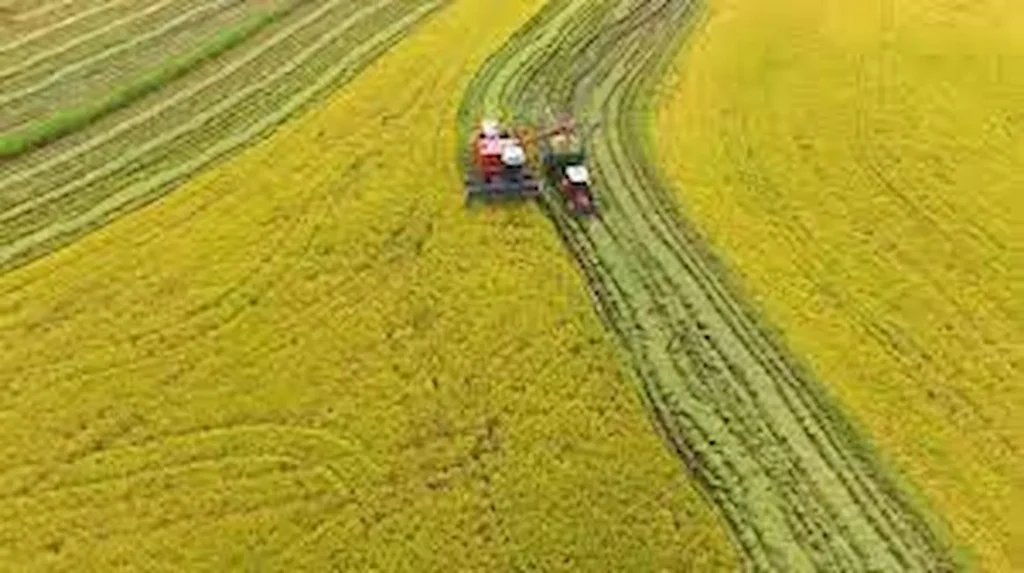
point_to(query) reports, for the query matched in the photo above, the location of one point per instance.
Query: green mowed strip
(125, 156)
(85, 67)
(64, 122)
(799, 488)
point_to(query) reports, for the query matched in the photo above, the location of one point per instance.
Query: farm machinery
(563, 154)
(500, 168)
(501, 165)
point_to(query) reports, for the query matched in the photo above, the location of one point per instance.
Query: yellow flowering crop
(314, 356)
(861, 166)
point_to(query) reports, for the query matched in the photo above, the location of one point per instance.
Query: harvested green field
(798, 488)
(132, 153)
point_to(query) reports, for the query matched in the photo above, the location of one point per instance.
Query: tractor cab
(513, 156)
(575, 186)
(565, 165)
(499, 153)
(577, 176)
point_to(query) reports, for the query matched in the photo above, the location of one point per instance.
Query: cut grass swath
(76, 184)
(798, 487)
(64, 122)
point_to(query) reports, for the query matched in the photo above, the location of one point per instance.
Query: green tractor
(563, 153)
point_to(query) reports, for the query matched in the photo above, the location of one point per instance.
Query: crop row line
(794, 485)
(36, 59)
(70, 20)
(101, 56)
(344, 41)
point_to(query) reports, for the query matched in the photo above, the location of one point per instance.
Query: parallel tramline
(53, 194)
(58, 50)
(28, 14)
(42, 35)
(32, 89)
(741, 416)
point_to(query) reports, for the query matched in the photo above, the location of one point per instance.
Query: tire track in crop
(797, 486)
(52, 195)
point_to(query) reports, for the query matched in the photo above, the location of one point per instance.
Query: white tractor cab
(513, 154)
(577, 174)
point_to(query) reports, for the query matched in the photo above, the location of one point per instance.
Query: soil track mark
(799, 489)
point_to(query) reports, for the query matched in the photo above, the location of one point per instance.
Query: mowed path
(862, 169)
(799, 489)
(313, 357)
(241, 67)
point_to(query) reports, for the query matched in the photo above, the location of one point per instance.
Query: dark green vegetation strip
(55, 193)
(64, 122)
(798, 487)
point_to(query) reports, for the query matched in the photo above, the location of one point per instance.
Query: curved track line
(198, 121)
(103, 209)
(40, 10)
(798, 488)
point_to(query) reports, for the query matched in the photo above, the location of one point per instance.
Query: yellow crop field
(860, 166)
(310, 357)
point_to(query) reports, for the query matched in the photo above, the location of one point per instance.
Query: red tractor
(499, 168)
(564, 157)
